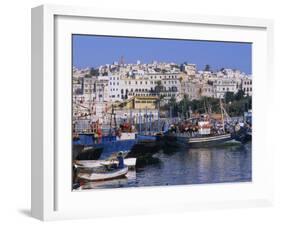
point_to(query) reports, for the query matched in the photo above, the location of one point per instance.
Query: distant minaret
(121, 62)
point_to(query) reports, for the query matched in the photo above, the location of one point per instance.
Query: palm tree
(180, 79)
(159, 87)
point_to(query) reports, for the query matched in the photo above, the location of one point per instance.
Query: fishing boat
(119, 138)
(201, 135)
(202, 131)
(108, 175)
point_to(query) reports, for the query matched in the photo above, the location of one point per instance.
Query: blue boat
(83, 147)
(89, 147)
(113, 144)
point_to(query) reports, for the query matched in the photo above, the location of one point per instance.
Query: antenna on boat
(205, 108)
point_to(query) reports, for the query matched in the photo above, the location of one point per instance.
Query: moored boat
(108, 175)
(92, 164)
(201, 132)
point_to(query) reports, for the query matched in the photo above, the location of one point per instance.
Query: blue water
(189, 166)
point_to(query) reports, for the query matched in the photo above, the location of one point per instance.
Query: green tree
(159, 87)
(173, 104)
(94, 72)
(229, 97)
(239, 95)
(207, 67)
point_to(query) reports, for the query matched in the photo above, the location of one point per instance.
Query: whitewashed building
(192, 89)
(246, 85)
(102, 93)
(223, 85)
(114, 86)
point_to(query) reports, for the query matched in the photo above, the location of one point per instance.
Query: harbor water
(183, 166)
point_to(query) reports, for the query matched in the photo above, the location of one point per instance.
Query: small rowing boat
(90, 164)
(109, 175)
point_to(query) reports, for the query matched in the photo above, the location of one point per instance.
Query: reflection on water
(189, 166)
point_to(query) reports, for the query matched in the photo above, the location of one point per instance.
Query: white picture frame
(51, 198)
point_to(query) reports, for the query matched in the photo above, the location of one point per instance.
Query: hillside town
(139, 86)
(156, 122)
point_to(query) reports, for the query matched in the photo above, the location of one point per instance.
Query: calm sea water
(189, 166)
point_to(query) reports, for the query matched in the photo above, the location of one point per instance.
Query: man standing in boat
(120, 160)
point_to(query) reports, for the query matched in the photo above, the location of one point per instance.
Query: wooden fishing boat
(108, 175)
(203, 131)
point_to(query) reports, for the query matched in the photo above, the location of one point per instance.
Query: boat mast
(114, 119)
(146, 120)
(222, 116)
(140, 121)
(158, 116)
(150, 122)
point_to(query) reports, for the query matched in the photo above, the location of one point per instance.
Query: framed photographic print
(138, 112)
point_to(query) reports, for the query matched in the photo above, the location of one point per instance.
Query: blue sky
(93, 51)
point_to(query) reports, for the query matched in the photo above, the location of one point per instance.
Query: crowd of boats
(100, 157)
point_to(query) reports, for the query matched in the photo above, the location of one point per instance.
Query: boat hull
(144, 138)
(80, 152)
(103, 176)
(209, 141)
(200, 141)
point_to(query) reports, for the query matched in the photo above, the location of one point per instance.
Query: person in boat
(120, 160)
